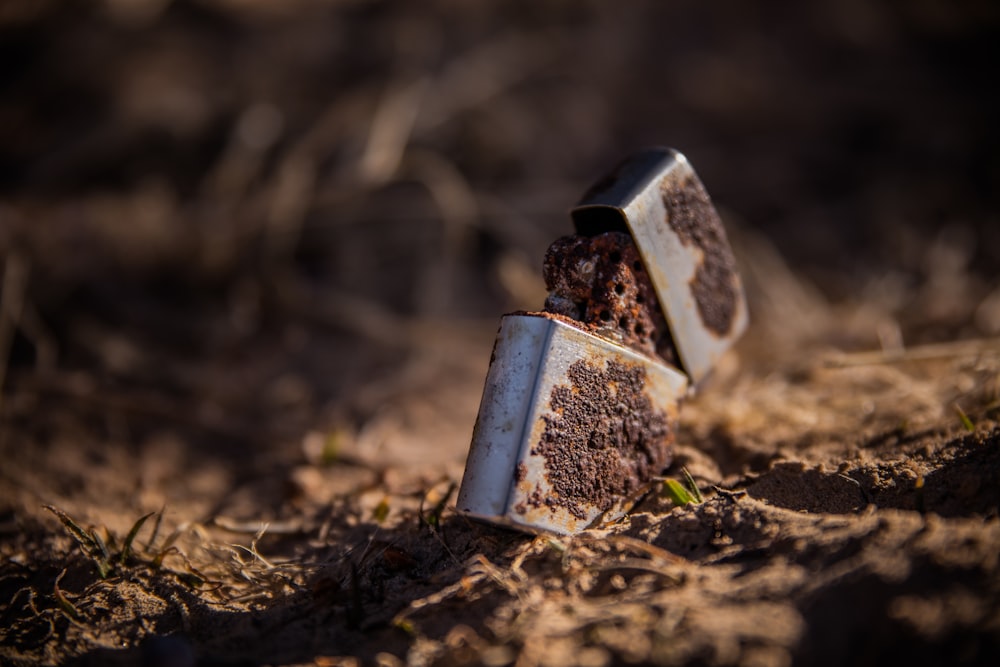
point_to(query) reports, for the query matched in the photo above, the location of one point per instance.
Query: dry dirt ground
(253, 263)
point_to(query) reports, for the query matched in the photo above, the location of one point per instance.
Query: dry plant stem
(390, 131)
(457, 204)
(15, 282)
(963, 348)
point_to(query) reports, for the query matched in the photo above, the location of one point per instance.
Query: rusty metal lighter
(579, 409)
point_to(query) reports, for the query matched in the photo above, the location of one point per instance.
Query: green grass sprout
(91, 543)
(381, 511)
(127, 545)
(433, 518)
(692, 487)
(683, 494)
(104, 550)
(68, 607)
(677, 493)
(964, 418)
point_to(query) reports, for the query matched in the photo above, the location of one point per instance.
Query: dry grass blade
(168, 546)
(646, 548)
(507, 580)
(156, 528)
(78, 533)
(127, 544)
(964, 418)
(253, 527)
(692, 487)
(640, 565)
(390, 131)
(15, 278)
(104, 551)
(253, 547)
(62, 600)
(104, 564)
(963, 348)
(462, 587)
(91, 544)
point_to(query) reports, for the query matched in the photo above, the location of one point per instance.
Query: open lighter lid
(656, 196)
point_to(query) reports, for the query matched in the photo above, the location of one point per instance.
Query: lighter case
(579, 409)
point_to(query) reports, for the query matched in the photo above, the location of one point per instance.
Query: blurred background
(252, 219)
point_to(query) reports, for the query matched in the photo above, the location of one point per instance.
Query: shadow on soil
(963, 480)
(347, 607)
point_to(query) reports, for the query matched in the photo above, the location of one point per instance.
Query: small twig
(650, 550)
(481, 565)
(864, 493)
(390, 131)
(920, 353)
(640, 565)
(253, 527)
(726, 493)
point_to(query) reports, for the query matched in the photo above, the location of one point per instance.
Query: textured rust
(536, 500)
(716, 296)
(603, 440)
(600, 281)
(692, 217)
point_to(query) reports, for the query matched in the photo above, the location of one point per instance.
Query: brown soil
(254, 255)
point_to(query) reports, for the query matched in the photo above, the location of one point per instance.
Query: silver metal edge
(490, 465)
(659, 246)
(508, 396)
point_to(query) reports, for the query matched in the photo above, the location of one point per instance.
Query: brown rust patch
(600, 281)
(537, 498)
(603, 440)
(692, 217)
(715, 294)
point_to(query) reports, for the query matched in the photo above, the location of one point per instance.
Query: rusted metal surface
(579, 409)
(571, 428)
(657, 197)
(601, 281)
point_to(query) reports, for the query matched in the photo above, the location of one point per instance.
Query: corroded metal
(656, 196)
(580, 404)
(571, 427)
(601, 282)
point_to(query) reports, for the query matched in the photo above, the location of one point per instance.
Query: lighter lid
(656, 196)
